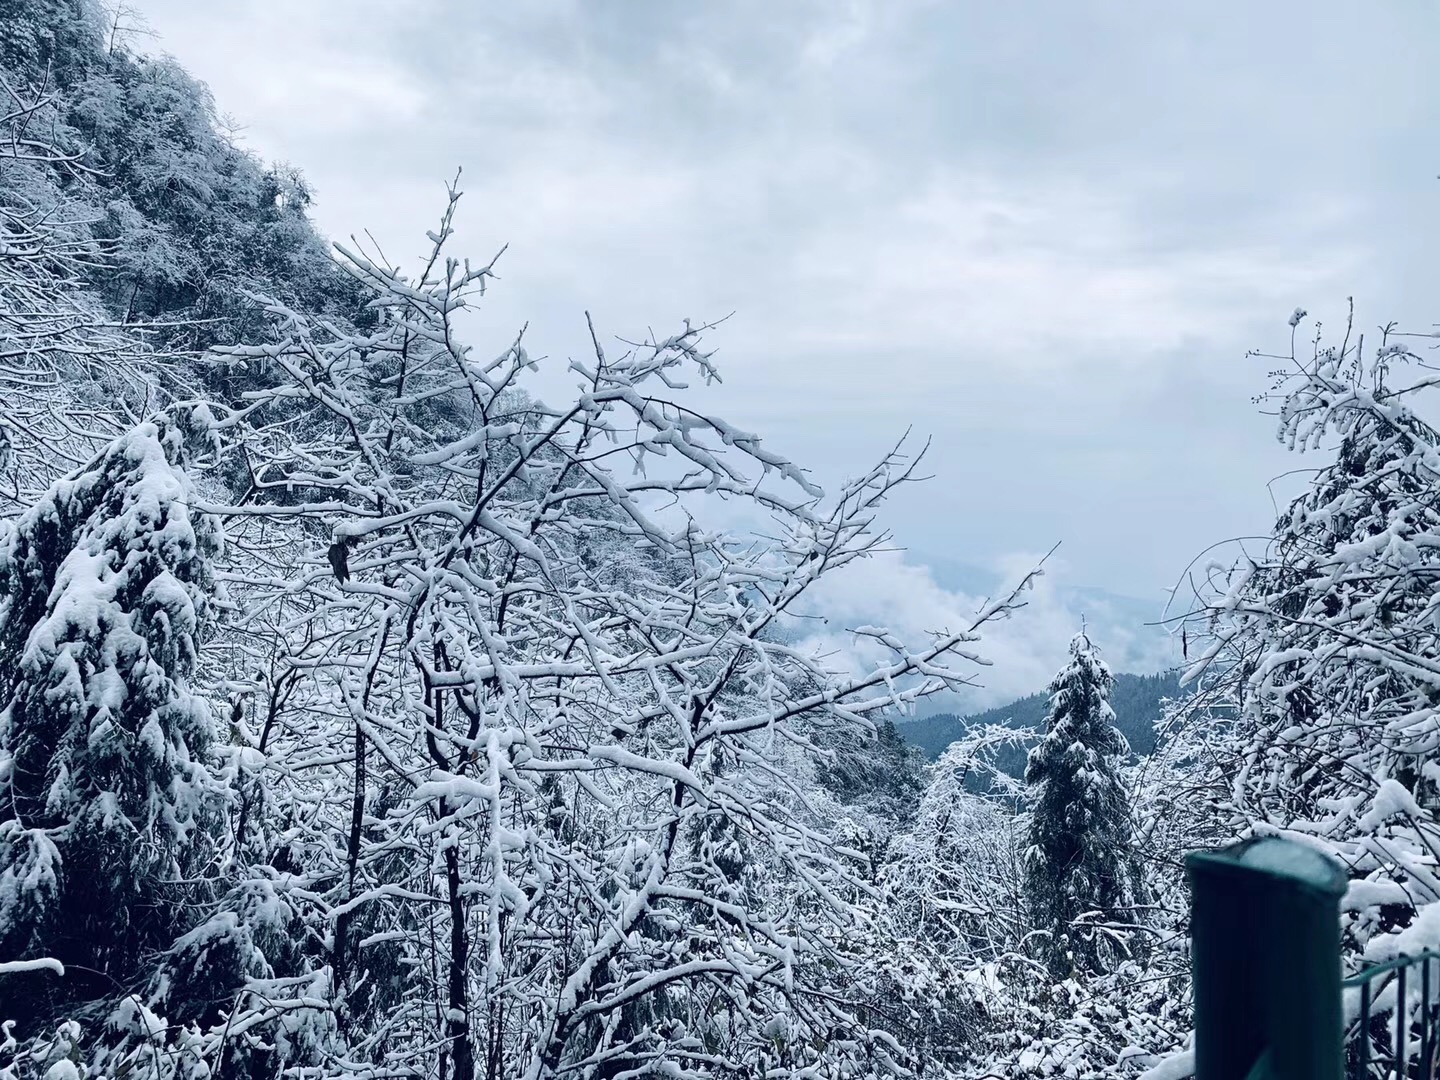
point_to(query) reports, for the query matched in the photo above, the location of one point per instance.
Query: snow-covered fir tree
(1079, 865)
(108, 810)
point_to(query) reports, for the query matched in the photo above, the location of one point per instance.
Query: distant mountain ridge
(1135, 699)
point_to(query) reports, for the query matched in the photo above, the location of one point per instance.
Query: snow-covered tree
(954, 908)
(1080, 869)
(571, 748)
(1322, 648)
(955, 873)
(880, 772)
(69, 379)
(108, 810)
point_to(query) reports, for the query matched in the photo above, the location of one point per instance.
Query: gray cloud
(1045, 233)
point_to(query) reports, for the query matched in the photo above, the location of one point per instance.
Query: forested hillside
(365, 715)
(1136, 699)
(187, 219)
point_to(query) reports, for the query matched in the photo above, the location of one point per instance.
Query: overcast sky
(1043, 233)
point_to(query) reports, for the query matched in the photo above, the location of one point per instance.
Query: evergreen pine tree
(107, 808)
(1078, 858)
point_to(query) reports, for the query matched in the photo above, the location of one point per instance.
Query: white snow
(1291, 859)
(1175, 1067)
(10, 967)
(1391, 800)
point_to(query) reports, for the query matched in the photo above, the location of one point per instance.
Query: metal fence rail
(1396, 1031)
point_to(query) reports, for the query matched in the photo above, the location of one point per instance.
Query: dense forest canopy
(188, 219)
(364, 715)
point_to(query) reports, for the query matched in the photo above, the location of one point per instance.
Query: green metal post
(1265, 954)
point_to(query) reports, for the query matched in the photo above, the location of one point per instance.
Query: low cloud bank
(1024, 651)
